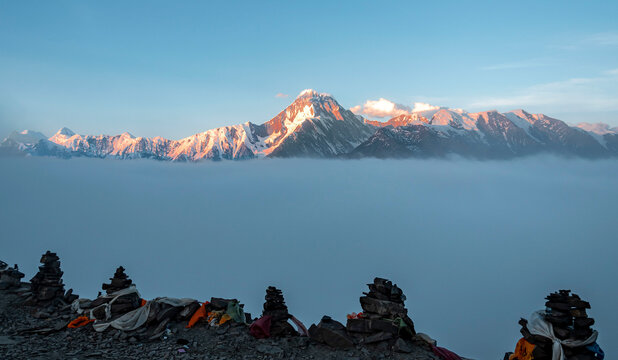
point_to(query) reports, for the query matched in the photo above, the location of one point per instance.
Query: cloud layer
(384, 108)
(480, 231)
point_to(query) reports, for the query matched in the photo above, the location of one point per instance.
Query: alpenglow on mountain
(316, 125)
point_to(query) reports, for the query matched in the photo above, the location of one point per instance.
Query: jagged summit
(310, 93)
(127, 134)
(65, 131)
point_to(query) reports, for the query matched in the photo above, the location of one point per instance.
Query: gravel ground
(29, 333)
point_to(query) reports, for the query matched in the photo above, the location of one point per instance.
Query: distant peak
(65, 131)
(310, 93)
(127, 134)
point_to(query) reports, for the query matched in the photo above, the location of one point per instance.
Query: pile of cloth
(274, 320)
(10, 277)
(218, 312)
(46, 286)
(121, 297)
(123, 308)
(560, 332)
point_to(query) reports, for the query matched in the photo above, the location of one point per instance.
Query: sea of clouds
(474, 245)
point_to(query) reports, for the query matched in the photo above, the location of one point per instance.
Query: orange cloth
(199, 314)
(144, 302)
(225, 318)
(523, 350)
(79, 322)
(355, 315)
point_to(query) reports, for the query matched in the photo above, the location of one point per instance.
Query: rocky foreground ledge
(30, 333)
(40, 320)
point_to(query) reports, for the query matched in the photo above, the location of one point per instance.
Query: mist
(474, 245)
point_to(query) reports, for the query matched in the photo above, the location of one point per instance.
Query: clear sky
(176, 68)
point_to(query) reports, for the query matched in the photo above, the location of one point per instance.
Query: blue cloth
(596, 349)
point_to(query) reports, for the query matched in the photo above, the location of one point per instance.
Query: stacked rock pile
(567, 313)
(121, 304)
(275, 308)
(119, 282)
(384, 321)
(47, 286)
(10, 277)
(384, 315)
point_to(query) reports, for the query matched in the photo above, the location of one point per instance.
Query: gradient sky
(178, 68)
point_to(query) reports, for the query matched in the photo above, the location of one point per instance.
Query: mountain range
(316, 125)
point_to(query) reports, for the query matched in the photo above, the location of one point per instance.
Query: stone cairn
(276, 308)
(122, 304)
(47, 286)
(384, 320)
(10, 277)
(567, 314)
(384, 316)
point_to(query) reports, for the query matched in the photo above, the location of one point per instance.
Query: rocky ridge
(38, 320)
(316, 125)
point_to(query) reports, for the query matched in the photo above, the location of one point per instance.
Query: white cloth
(136, 318)
(538, 326)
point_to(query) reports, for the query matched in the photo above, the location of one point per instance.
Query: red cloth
(260, 329)
(445, 354)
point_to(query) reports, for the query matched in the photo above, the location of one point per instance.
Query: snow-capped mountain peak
(26, 136)
(310, 93)
(316, 125)
(66, 132)
(597, 128)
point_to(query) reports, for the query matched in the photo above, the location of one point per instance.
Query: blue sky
(177, 68)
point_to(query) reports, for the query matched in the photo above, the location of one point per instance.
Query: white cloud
(282, 95)
(576, 94)
(385, 108)
(381, 108)
(419, 106)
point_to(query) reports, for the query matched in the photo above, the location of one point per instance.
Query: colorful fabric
(523, 350)
(260, 329)
(198, 315)
(79, 322)
(355, 315)
(224, 318)
(300, 327)
(444, 354)
(235, 312)
(596, 349)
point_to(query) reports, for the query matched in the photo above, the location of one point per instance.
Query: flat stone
(6, 340)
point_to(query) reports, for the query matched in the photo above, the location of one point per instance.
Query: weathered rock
(381, 307)
(402, 346)
(10, 277)
(332, 333)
